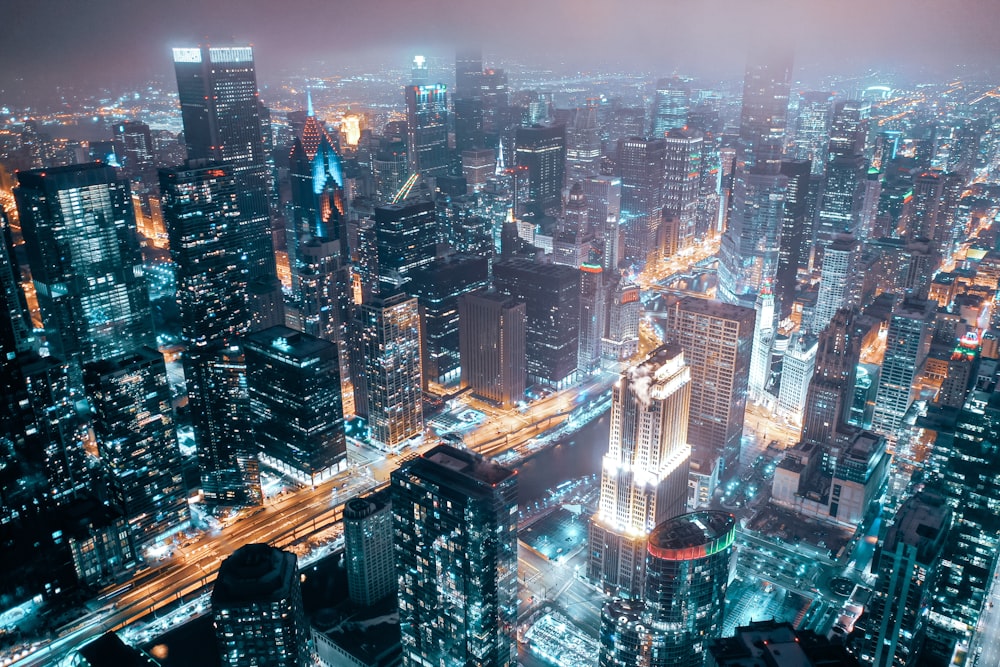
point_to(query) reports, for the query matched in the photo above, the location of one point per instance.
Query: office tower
(80, 238)
(716, 339)
(391, 168)
(137, 441)
(478, 165)
(760, 351)
(670, 106)
(777, 645)
(496, 100)
(907, 344)
(849, 129)
(644, 478)
(925, 211)
(683, 164)
(621, 336)
(551, 294)
(438, 288)
(296, 409)
(368, 553)
(908, 562)
(796, 374)
(641, 164)
(711, 205)
(419, 72)
(836, 282)
(427, 129)
(492, 331)
(455, 522)
(316, 236)
(840, 200)
(221, 111)
(687, 573)
(828, 398)
(811, 131)
(749, 253)
(468, 123)
(962, 367)
(388, 382)
(593, 317)
(603, 195)
(139, 152)
(796, 233)
(542, 150)
(15, 330)
(257, 609)
(764, 113)
(583, 145)
(468, 72)
(407, 239)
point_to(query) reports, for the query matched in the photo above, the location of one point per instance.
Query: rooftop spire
(309, 103)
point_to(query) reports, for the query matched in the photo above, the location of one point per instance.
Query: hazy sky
(49, 42)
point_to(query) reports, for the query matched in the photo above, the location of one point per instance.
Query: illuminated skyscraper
(796, 373)
(296, 411)
(796, 232)
(542, 150)
(642, 168)
(836, 281)
(764, 114)
(221, 110)
(455, 523)
(369, 557)
(468, 72)
(593, 317)
(645, 472)
(717, 340)
(670, 106)
(387, 349)
(80, 237)
(683, 603)
(492, 334)
(908, 342)
(828, 398)
(137, 441)
(407, 239)
(257, 609)
(682, 191)
(812, 130)
(603, 195)
(624, 309)
(583, 145)
(763, 341)
(317, 245)
(427, 128)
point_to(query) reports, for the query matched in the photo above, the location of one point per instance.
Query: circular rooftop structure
(692, 536)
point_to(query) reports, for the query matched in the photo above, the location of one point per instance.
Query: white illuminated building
(763, 341)
(644, 480)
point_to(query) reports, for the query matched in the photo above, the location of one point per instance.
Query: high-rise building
(796, 233)
(468, 72)
(603, 195)
(908, 562)
(583, 145)
(438, 288)
(137, 441)
(139, 152)
(683, 602)
(81, 242)
(670, 106)
(716, 339)
(296, 410)
(455, 525)
(796, 373)
(257, 609)
(759, 378)
(221, 111)
(641, 165)
(316, 235)
(812, 129)
(593, 317)
(828, 398)
(644, 478)
(427, 128)
(840, 200)
(907, 344)
(624, 309)
(849, 129)
(764, 114)
(407, 239)
(551, 294)
(681, 195)
(542, 150)
(391, 168)
(492, 331)
(368, 552)
(468, 123)
(836, 281)
(387, 353)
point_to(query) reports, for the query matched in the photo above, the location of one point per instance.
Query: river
(575, 455)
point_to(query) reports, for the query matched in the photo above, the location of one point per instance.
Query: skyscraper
(492, 330)
(296, 410)
(836, 281)
(716, 339)
(81, 242)
(257, 609)
(908, 562)
(542, 150)
(603, 195)
(812, 129)
(828, 398)
(427, 128)
(641, 165)
(644, 474)
(796, 374)
(907, 344)
(593, 317)
(759, 377)
(407, 239)
(137, 441)
(670, 106)
(796, 232)
(368, 551)
(455, 521)
(682, 190)
(388, 356)
(583, 145)
(221, 111)
(683, 602)
(764, 114)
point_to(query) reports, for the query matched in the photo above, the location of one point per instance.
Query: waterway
(575, 455)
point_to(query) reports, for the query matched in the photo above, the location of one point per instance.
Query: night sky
(117, 42)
